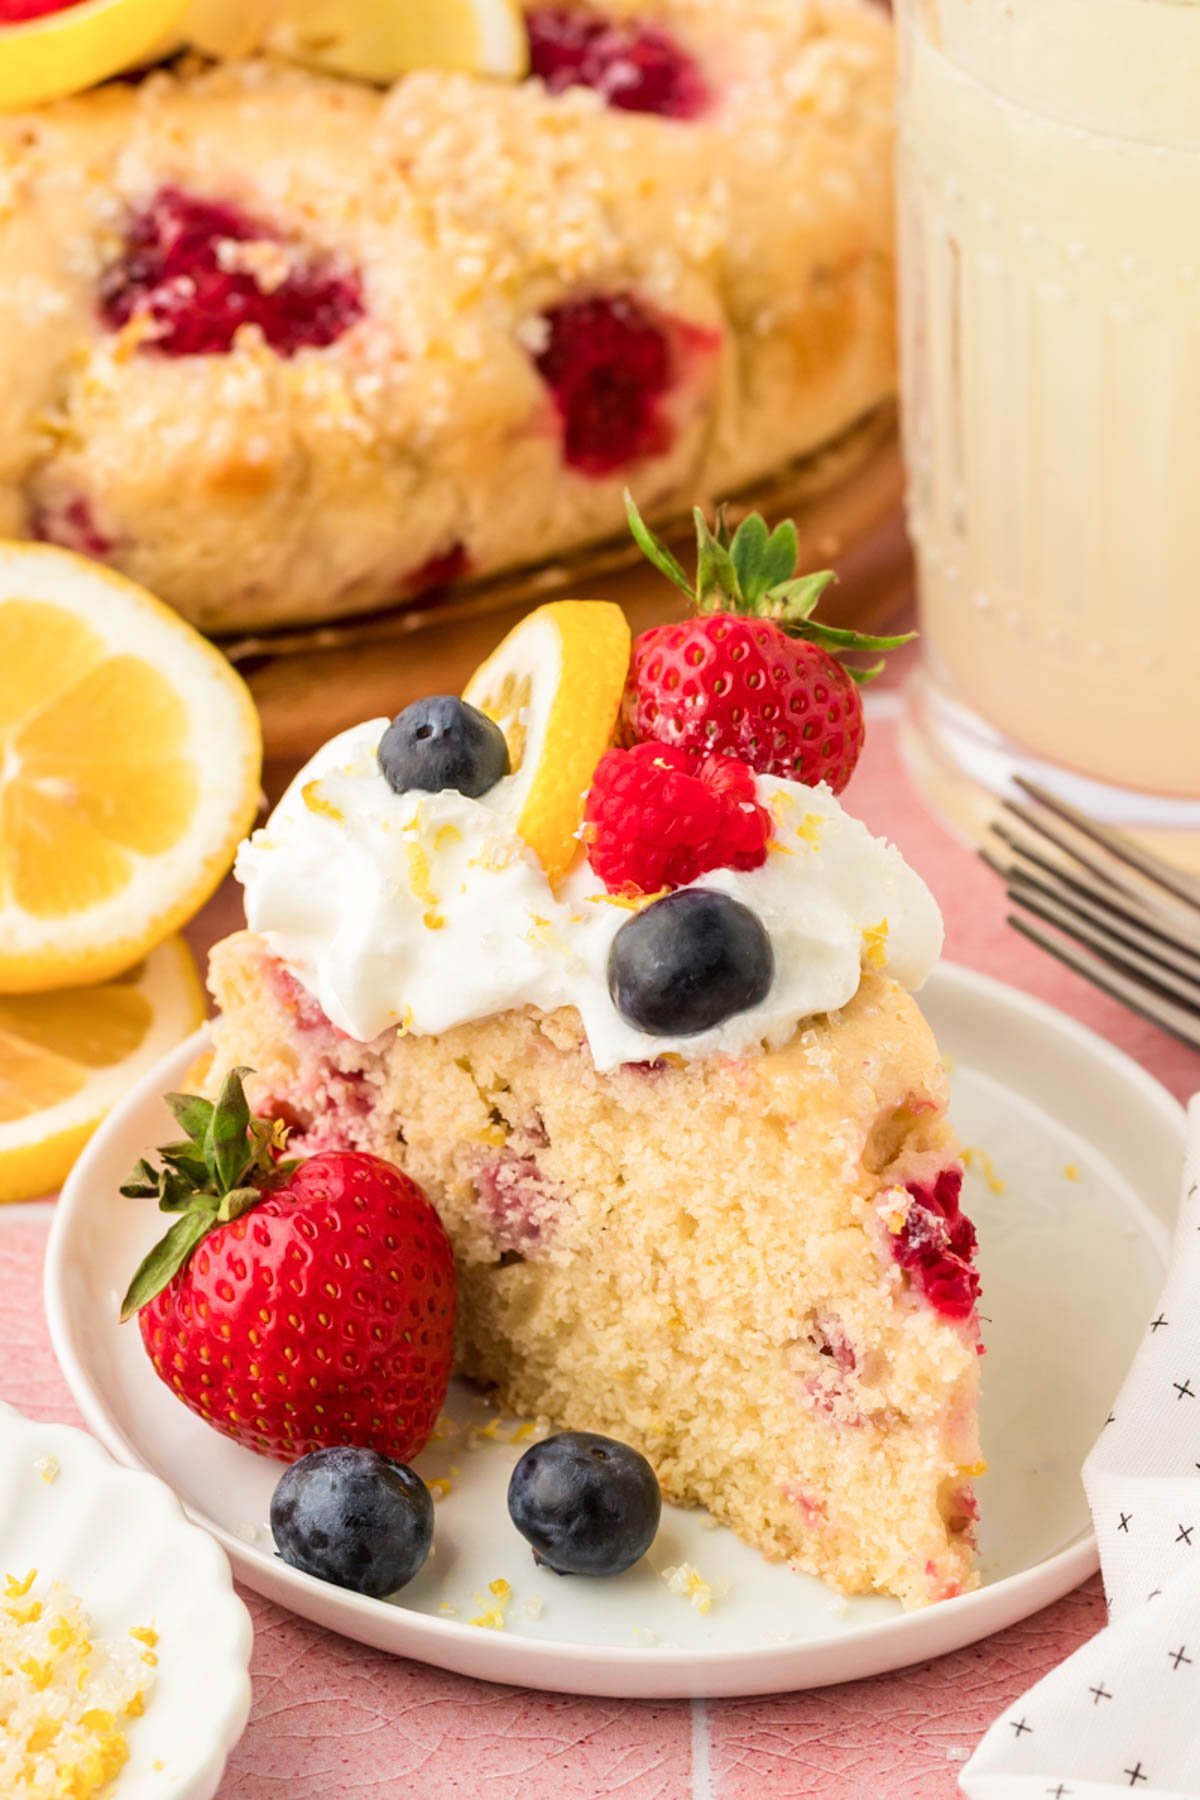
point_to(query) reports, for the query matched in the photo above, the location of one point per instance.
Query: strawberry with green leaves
(752, 674)
(293, 1305)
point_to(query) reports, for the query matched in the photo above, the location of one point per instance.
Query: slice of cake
(687, 1132)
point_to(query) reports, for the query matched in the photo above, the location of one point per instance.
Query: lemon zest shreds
(17, 1590)
(316, 802)
(975, 1158)
(875, 943)
(66, 1698)
(628, 902)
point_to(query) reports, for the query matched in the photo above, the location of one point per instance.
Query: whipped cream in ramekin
(426, 910)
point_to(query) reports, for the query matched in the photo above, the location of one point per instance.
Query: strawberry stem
(216, 1173)
(753, 572)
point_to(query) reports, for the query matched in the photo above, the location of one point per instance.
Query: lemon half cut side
(130, 764)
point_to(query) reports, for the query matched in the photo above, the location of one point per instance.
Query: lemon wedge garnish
(66, 1057)
(377, 40)
(65, 52)
(130, 756)
(554, 687)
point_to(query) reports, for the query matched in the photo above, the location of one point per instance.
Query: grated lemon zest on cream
(875, 942)
(316, 802)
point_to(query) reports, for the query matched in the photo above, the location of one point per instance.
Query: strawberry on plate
(293, 1305)
(753, 674)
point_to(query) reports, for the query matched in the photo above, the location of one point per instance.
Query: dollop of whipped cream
(423, 911)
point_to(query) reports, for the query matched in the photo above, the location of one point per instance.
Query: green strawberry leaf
(832, 637)
(186, 1160)
(226, 1145)
(193, 1113)
(142, 1183)
(795, 600)
(653, 548)
(164, 1262)
(862, 676)
(716, 576)
(747, 553)
(780, 556)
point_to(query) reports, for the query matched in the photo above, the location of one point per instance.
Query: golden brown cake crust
(692, 1257)
(250, 489)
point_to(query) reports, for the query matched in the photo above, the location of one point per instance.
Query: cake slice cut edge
(755, 1269)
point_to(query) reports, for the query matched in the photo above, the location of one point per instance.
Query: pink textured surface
(335, 1721)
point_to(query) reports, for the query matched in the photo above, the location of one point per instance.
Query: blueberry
(688, 962)
(587, 1504)
(443, 743)
(354, 1518)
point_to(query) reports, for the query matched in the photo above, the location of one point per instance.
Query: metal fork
(1119, 916)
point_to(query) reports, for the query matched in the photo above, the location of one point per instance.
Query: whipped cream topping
(423, 911)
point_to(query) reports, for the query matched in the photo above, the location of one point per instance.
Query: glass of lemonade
(1049, 174)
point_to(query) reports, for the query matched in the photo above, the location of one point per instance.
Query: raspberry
(649, 824)
(438, 572)
(180, 269)
(608, 363)
(936, 1246)
(73, 526)
(633, 65)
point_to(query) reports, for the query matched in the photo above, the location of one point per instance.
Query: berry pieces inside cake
(595, 956)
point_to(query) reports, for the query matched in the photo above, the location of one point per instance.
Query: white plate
(120, 1542)
(1071, 1270)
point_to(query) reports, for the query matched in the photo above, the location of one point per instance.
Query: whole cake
(283, 347)
(651, 1055)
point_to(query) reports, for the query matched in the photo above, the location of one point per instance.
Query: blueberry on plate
(443, 743)
(354, 1518)
(689, 962)
(588, 1504)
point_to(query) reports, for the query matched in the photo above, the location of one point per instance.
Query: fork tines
(1119, 916)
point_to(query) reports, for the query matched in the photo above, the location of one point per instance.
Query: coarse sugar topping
(66, 1696)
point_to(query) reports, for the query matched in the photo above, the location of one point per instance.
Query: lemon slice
(67, 1057)
(65, 52)
(129, 769)
(377, 40)
(554, 687)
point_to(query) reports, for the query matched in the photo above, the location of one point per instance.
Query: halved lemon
(67, 1057)
(377, 40)
(65, 52)
(130, 759)
(554, 687)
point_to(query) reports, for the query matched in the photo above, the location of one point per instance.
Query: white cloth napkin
(1122, 1714)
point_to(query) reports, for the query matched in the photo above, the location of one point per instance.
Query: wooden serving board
(847, 503)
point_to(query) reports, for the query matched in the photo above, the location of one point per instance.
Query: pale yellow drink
(1050, 229)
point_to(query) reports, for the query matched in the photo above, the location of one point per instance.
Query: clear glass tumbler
(1049, 181)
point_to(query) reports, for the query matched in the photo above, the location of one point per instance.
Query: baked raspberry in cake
(284, 347)
(670, 1094)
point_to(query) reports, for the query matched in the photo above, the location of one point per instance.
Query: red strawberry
(649, 824)
(293, 1306)
(753, 675)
